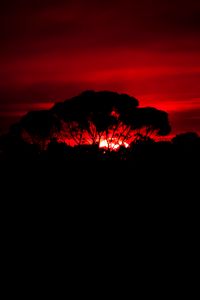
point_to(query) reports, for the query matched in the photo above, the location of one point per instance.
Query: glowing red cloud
(52, 50)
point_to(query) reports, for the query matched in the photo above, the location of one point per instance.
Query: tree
(103, 119)
(188, 138)
(93, 116)
(37, 127)
(147, 123)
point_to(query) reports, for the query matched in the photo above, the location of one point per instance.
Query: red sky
(52, 50)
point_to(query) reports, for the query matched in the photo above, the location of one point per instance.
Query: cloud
(91, 23)
(51, 50)
(186, 121)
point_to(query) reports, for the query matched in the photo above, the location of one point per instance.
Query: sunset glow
(53, 50)
(112, 145)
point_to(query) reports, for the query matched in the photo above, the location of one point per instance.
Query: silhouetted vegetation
(99, 126)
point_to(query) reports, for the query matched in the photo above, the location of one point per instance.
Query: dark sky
(51, 50)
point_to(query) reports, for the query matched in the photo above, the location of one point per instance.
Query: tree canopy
(93, 118)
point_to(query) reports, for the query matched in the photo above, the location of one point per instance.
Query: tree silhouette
(89, 118)
(103, 119)
(148, 123)
(187, 146)
(37, 127)
(114, 118)
(94, 124)
(188, 138)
